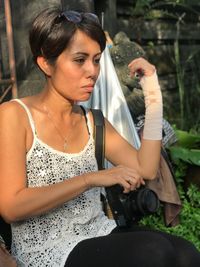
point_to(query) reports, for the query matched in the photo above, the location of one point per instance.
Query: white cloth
(48, 239)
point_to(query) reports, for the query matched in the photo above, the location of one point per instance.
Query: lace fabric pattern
(47, 240)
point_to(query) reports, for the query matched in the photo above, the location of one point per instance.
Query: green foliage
(156, 9)
(191, 156)
(186, 100)
(186, 64)
(141, 7)
(186, 149)
(182, 154)
(187, 140)
(189, 227)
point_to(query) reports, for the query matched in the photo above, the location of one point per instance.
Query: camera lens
(147, 201)
(131, 207)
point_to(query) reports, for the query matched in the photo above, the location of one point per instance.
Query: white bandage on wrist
(154, 107)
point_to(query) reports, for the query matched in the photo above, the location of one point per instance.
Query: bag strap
(99, 137)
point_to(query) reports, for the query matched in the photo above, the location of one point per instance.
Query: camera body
(129, 208)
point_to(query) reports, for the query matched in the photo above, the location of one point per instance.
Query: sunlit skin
(69, 80)
(76, 70)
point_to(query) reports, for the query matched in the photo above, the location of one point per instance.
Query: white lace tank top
(47, 240)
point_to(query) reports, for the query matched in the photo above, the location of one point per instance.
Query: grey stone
(123, 52)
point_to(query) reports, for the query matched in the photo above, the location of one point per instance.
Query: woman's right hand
(128, 178)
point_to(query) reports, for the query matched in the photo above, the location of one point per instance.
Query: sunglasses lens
(91, 16)
(72, 16)
(76, 17)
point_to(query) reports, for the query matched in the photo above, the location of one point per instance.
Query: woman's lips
(89, 88)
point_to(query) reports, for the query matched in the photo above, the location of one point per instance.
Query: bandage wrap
(154, 107)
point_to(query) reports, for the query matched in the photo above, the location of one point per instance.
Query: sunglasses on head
(76, 17)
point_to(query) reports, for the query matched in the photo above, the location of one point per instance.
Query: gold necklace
(56, 128)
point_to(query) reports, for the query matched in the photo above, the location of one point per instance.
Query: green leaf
(191, 156)
(187, 140)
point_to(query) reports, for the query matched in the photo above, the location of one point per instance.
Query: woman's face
(75, 72)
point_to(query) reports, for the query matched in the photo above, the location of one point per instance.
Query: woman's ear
(44, 65)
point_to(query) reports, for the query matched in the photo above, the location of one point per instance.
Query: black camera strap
(99, 137)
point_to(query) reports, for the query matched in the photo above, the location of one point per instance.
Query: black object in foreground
(129, 208)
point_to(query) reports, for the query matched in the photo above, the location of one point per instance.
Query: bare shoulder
(9, 106)
(11, 113)
(8, 109)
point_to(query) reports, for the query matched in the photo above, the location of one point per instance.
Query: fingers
(129, 179)
(141, 67)
(128, 184)
(134, 183)
(2, 248)
(5, 258)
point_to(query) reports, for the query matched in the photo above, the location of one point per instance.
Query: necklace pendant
(65, 145)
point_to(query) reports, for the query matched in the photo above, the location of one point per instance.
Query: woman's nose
(92, 69)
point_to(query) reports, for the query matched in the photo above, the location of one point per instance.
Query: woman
(50, 184)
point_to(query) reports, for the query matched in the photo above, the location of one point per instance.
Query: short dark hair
(51, 33)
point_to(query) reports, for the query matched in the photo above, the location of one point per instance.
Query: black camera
(129, 208)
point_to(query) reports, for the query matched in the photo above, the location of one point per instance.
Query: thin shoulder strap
(99, 137)
(31, 121)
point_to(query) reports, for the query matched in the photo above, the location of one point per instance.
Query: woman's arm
(17, 201)
(146, 159)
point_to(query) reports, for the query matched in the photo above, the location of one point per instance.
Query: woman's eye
(97, 60)
(80, 60)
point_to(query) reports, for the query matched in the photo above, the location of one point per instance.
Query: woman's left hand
(6, 260)
(141, 67)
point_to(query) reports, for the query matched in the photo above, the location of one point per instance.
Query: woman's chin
(84, 98)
